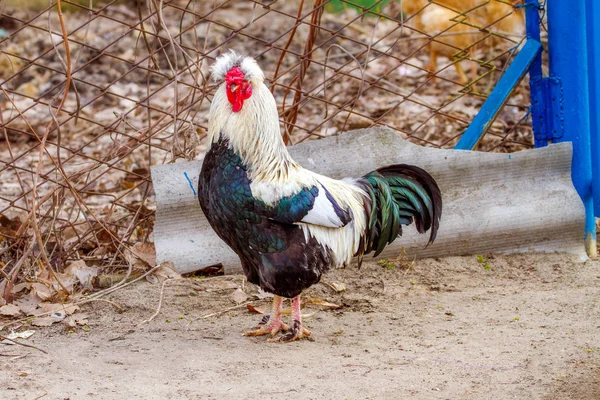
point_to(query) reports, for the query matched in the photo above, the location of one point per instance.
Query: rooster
(287, 224)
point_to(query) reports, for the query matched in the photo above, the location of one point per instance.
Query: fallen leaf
(47, 321)
(21, 335)
(145, 252)
(338, 287)
(66, 281)
(81, 319)
(70, 322)
(238, 296)
(10, 310)
(322, 303)
(29, 303)
(67, 309)
(82, 272)
(20, 286)
(41, 290)
(167, 271)
(17, 335)
(153, 279)
(255, 310)
(42, 322)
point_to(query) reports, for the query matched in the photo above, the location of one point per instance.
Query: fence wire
(95, 92)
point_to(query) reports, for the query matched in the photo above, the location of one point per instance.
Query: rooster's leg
(271, 324)
(432, 66)
(462, 77)
(297, 331)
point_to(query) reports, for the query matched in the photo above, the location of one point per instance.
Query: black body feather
(273, 249)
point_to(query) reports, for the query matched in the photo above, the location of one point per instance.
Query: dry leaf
(29, 303)
(322, 303)
(74, 321)
(238, 296)
(21, 335)
(41, 290)
(82, 272)
(20, 286)
(167, 271)
(67, 309)
(81, 319)
(338, 287)
(70, 322)
(42, 321)
(10, 310)
(145, 252)
(255, 310)
(47, 321)
(66, 280)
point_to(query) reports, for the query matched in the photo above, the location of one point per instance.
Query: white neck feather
(253, 133)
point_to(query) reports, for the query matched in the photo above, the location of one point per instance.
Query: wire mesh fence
(95, 92)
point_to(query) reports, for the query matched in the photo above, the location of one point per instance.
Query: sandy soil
(522, 326)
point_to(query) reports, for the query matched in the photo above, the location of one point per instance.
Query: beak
(237, 93)
(238, 100)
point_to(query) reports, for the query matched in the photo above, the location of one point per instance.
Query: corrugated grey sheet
(492, 202)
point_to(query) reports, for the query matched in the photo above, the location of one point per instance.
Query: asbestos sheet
(492, 202)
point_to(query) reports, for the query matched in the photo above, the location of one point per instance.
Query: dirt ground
(504, 327)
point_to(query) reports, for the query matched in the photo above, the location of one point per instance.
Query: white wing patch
(322, 212)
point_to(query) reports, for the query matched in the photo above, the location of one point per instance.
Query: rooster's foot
(268, 328)
(296, 333)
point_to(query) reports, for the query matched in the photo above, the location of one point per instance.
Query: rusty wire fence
(95, 92)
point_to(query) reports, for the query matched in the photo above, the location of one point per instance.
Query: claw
(296, 333)
(272, 329)
(264, 320)
(268, 325)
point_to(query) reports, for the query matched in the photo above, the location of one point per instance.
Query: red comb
(234, 74)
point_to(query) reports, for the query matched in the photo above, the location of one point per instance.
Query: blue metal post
(569, 67)
(593, 37)
(528, 59)
(537, 83)
(492, 106)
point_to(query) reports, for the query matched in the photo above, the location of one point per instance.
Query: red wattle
(243, 91)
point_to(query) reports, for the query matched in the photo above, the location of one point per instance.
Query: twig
(23, 344)
(13, 355)
(114, 289)
(40, 396)
(214, 314)
(104, 301)
(121, 336)
(88, 300)
(162, 290)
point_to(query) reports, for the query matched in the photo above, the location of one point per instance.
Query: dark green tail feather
(400, 194)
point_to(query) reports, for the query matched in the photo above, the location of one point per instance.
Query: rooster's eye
(233, 87)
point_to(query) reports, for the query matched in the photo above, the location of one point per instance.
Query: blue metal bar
(569, 64)
(511, 77)
(593, 29)
(536, 79)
